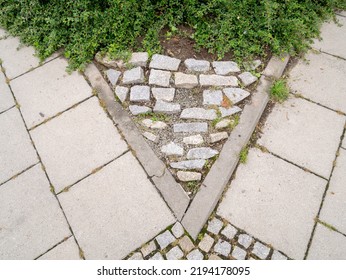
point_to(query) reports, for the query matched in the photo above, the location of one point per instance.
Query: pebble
(198, 114)
(247, 78)
(139, 59)
(216, 137)
(225, 112)
(197, 65)
(165, 94)
(217, 80)
(201, 153)
(223, 124)
(159, 78)
(140, 93)
(190, 127)
(136, 110)
(212, 97)
(164, 62)
(225, 67)
(235, 95)
(189, 164)
(150, 136)
(185, 80)
(166, 107)
(186, 176)
(121, 93)
(113, 76)
(133, 76)
(193, 140)
(172, 149)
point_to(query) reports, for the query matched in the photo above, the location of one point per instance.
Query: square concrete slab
(6, 98)
(334, 207)
(330, 31)
(17, 59)
(16, 151)
(327, 245)
(343, 145)
(48, 90)
(77, 142)
(2, 33)
(30, 217)
(115, 210)
(274, 201)
(67, 250)
(320, 79)
(305, 134)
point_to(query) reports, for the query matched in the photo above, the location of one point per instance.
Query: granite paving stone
(201, 153)
(312, 78)
(245, 240)
(196, 164)
(150, 136)
(226, 112)
(166, 107)
(164, 62)
(6, 98)
(178, 230)
(67, 250)
(190, 127)
(225, 67)
(217, 80)
(206, 243)
(30, 217)
(193, 140)
(222, 247)
(235, 95)
(172, 149)
(214, 257)
(278, 256)
(327, 245)
(223, 124)
(133, 76)
(214, 226)
(265, 194)
(238, 253)
(166, 94)
(334, 208)
(84, 132)
(136, 110)
(139, 59)
(121, 93)
(216, 137)
(174, 254)
(212, 97)
(229, 231)
(195, 255)
(157, 257)
(136, 257)
(247, 78)
(195, 65)
(183, 80)
(260, 250)
(300, 131)
(186, 244)
(16, 151)
(198, 114)
(140, 93)
(159, 78)
(48, 90)
(186, 176)
(148, 248)
(165, 239)
(108, 194)
(113, 76)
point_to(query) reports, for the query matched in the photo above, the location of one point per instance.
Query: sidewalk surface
(71, 188)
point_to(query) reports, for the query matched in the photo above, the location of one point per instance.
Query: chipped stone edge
(172, 192)
(220, 173)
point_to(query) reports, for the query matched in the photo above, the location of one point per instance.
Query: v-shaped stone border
(192, 213)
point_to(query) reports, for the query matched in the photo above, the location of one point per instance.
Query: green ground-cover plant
(279, 91)
(243, 27)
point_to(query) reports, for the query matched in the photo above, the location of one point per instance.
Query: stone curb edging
(172, 192)
(195, 214)
(220, 173)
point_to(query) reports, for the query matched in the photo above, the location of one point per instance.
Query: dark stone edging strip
(220, 173)
(172, 192)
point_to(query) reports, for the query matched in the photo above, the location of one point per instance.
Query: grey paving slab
(327, 245)
(334, 207)
(30, 217)
(343, 145)
(274, 201)
(16, 151)
(6, 98)
(16, 61)
(321, 79)
(115, 210)
(2, 33)
(329, 32)
(67, 250)
(48, 90)
(80, 140)
(305, 134)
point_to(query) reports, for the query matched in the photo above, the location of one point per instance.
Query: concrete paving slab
(77, 142)
(334, 207)
(48, 90)
(305, 134)
(327, 245)
(341, 13)
(274, 201)
(329, 32)
(30, 217)
(16, 151)
(6, 98)
(320, 79)
(343, 145)
(67, 250)
(115, 210)
(17, 59)
(2, 33)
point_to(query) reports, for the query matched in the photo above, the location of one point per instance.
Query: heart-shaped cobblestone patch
(184, 109)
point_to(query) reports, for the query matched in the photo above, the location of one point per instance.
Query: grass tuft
(279, 92)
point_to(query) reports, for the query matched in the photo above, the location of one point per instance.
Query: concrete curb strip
(171, 191)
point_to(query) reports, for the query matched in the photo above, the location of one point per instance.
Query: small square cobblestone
(206, 243)
(157, 257)
(175, 254)
(165, 239)
(223, 248)
(195, 255)
(148, 248)
(229, 231)
(136, 256)
(186, 244)
(238, 253)
(245, 240)
(214, 226)
(178, 230)
(260, 250)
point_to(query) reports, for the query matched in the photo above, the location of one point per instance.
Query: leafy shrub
(244, 27)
